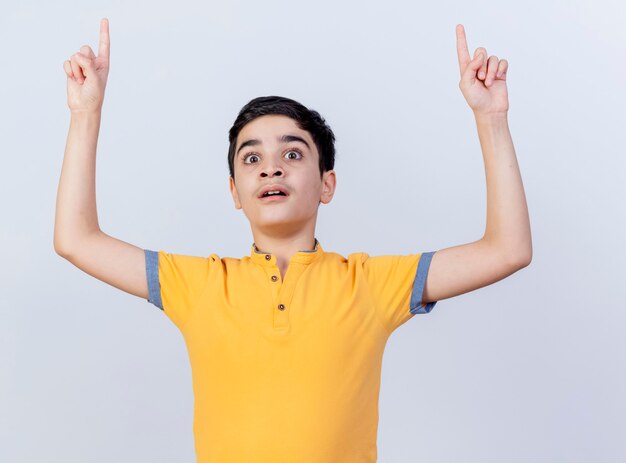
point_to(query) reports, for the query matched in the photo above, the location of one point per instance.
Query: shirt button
(281, 307)
(274, 278)
(267, 257)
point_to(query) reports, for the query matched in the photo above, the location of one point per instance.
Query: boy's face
(290, 164)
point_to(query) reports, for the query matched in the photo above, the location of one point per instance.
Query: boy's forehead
(269, 127)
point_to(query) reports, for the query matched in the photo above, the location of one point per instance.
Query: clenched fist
(87, 74)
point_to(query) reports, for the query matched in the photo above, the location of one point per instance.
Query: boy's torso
(286, 370)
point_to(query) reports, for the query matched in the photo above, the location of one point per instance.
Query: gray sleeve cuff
(416, 305)
(152, 275)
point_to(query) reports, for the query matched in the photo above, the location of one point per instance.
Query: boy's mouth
(273, 192)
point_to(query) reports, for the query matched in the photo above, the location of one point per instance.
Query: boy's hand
(486, 93)
(87, 74)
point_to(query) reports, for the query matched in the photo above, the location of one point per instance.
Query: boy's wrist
(85, 119)
(91, 114)
(491, 118)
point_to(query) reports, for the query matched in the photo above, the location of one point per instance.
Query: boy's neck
(284, 247)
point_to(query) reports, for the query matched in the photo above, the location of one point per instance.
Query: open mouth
(273, 193)
(273, 196)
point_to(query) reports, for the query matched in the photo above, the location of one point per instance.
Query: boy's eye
(245, 159)
(297, 153)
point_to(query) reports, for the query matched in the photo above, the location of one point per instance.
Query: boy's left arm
(506, 245)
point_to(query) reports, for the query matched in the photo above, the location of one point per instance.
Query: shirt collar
(303, 256)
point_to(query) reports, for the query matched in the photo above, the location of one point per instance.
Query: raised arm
(506, 245)
(77, 234)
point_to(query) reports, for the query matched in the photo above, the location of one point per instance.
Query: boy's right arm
(77, 234)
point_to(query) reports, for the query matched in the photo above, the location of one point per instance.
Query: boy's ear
(329, 183)
(233, 192)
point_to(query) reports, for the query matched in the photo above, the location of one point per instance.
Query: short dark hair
(305, 118)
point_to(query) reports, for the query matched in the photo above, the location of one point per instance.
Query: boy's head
(276, 141)
(305, 118)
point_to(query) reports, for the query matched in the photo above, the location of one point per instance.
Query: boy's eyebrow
(282, 139)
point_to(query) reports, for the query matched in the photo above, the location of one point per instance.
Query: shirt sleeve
(175, 282)
(396, 284)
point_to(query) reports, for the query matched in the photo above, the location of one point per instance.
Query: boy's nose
(276, 172)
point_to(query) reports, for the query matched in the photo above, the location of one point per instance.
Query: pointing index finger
(103, 49)
(461, 47)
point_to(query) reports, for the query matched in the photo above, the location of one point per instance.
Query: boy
(286, 344)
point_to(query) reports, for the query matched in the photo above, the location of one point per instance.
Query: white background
(529, 369)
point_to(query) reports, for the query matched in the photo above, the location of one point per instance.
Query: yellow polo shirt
(287, 370)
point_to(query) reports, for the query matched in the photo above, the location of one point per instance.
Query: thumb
(477, 62)
(86, 64)
(473, 66)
